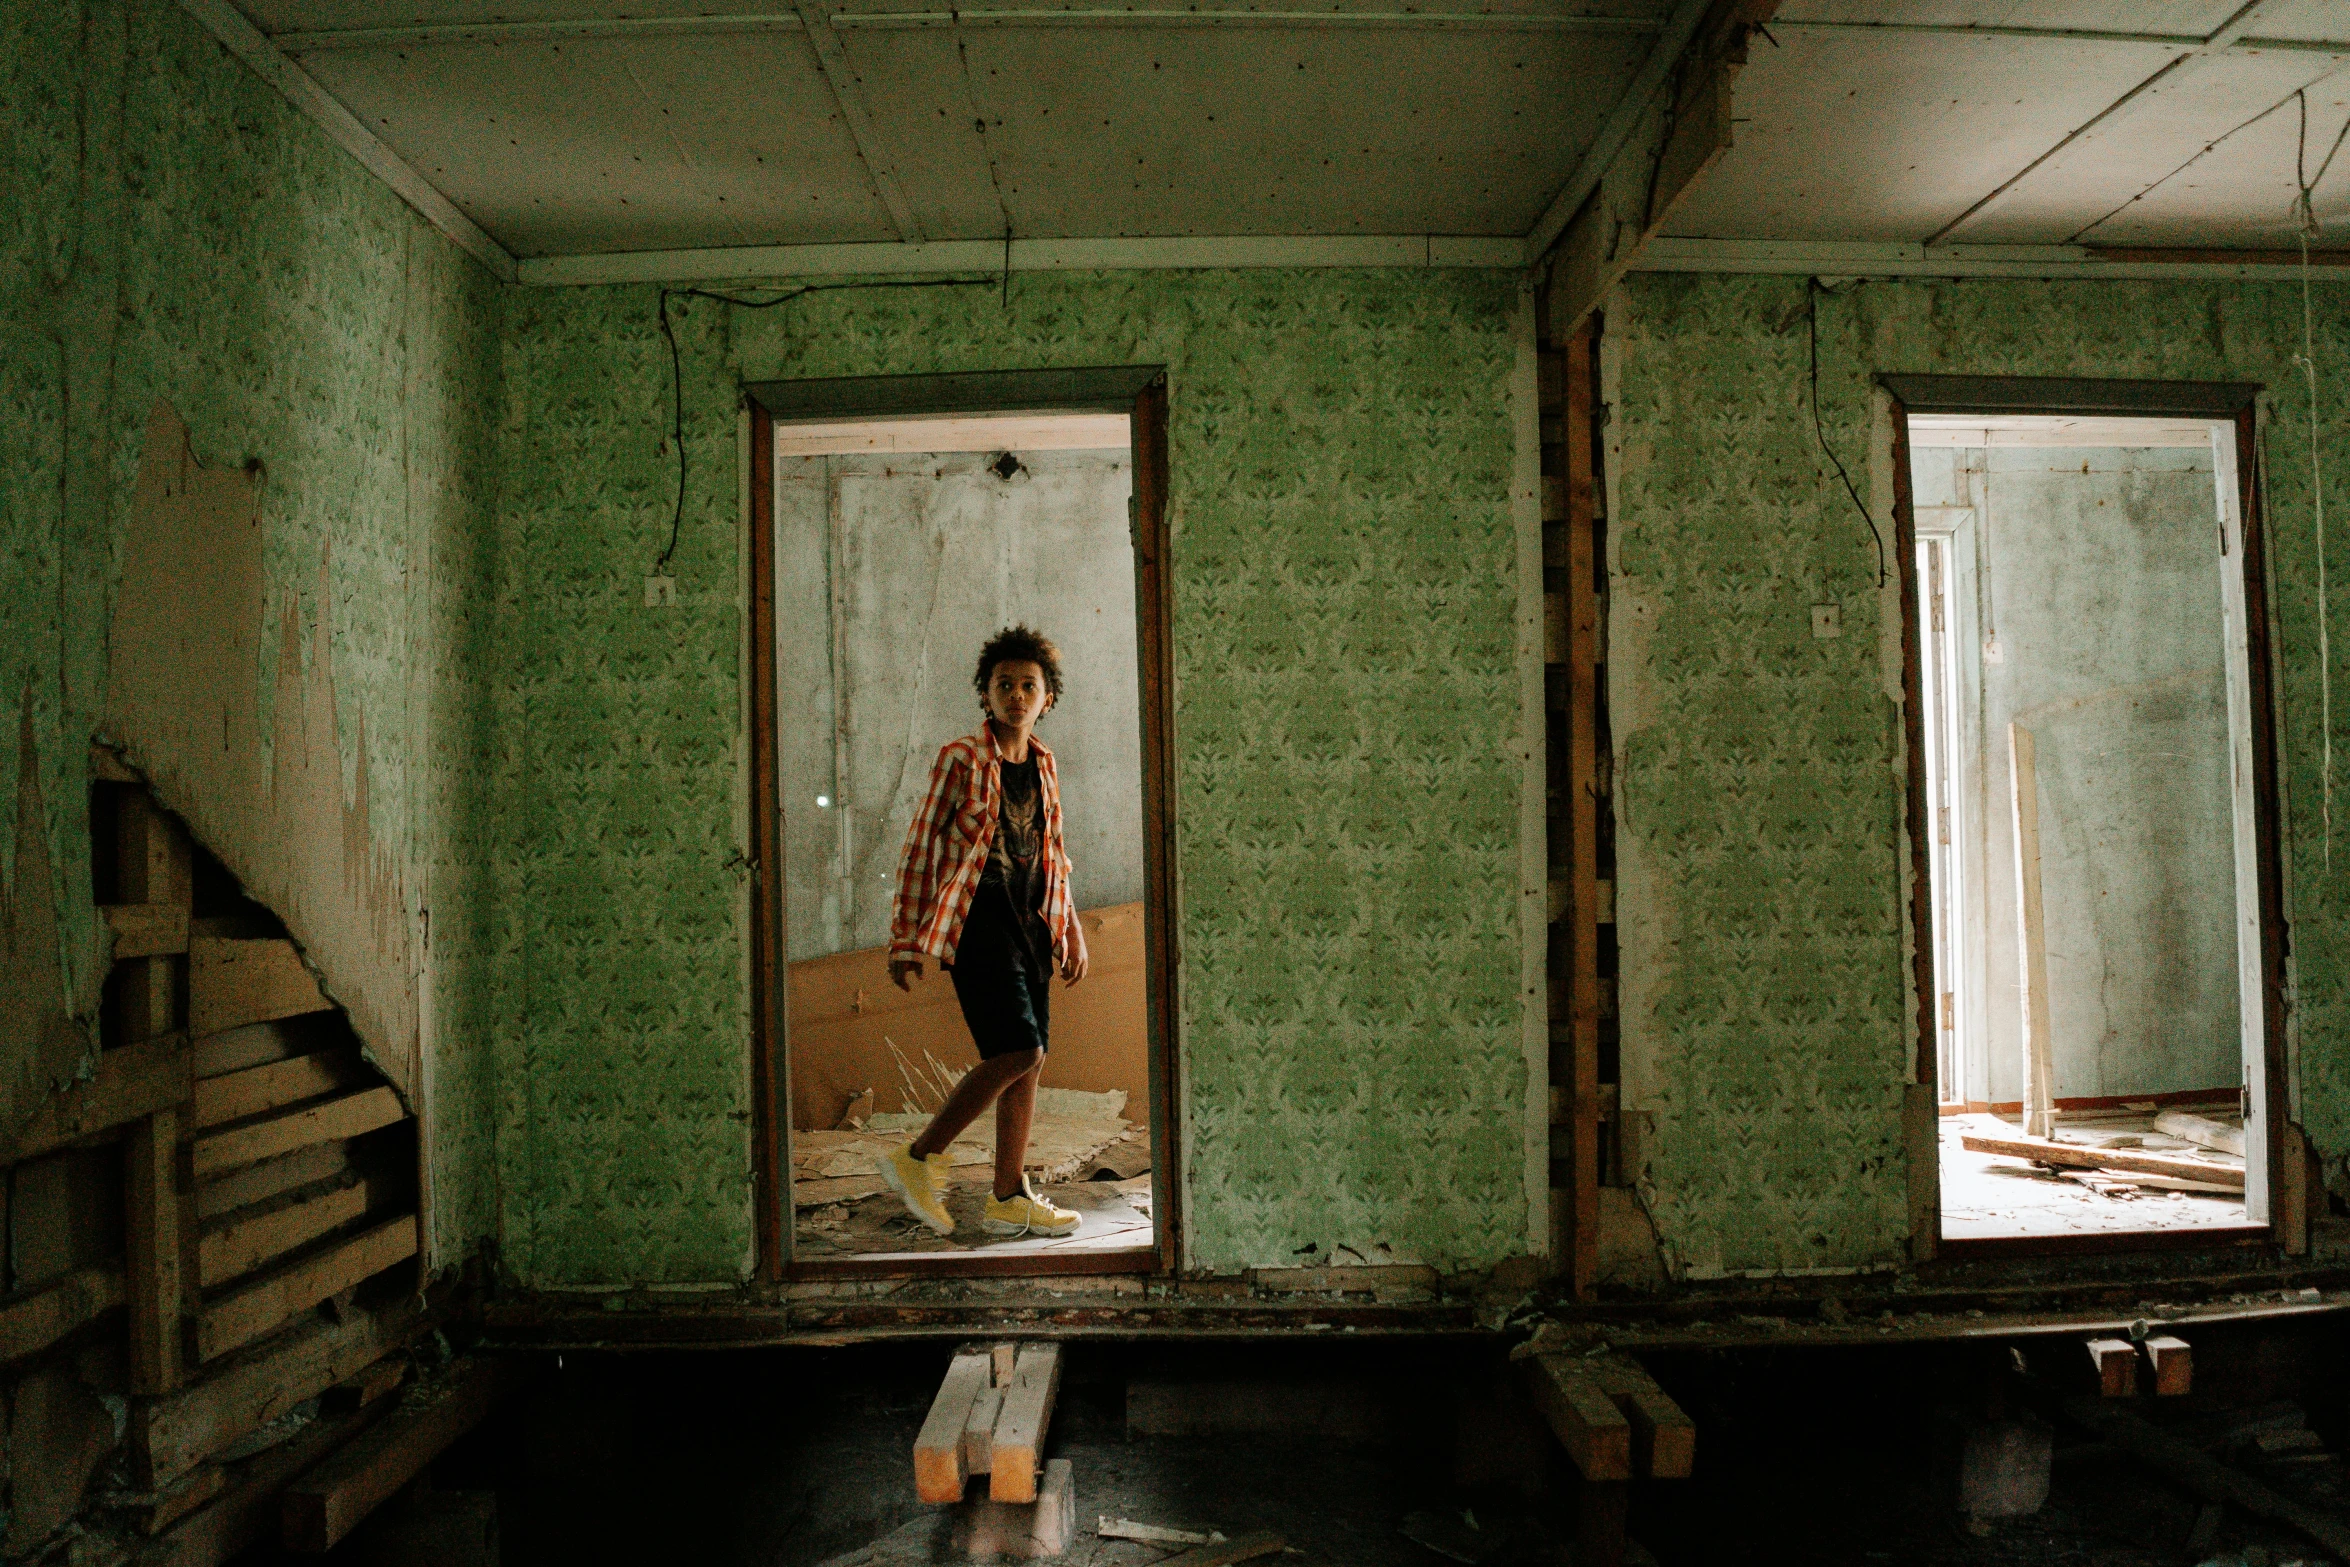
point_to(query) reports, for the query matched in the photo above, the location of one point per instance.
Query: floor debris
(1154, 1534)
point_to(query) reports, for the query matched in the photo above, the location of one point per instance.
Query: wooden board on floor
(1588, 1424)
(1225, 1553)
(2208, 1131)
(326, 1504)
(233, 982)
(2041, 1150)
(939, 1473)
(35, 1319)
(268, 1303)
(1018, 1454)
(131, 1083)
(236, 1249)
(349, 1116)
(257, 1090)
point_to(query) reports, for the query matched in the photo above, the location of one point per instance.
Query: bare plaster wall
(1759, 770)
(245, 416)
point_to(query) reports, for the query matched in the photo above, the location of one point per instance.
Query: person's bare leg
(1015, 1108)
(979, 1086)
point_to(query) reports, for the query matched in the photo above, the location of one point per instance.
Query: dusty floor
(800, 1458)
(1995, 1195)
(1112, 1215)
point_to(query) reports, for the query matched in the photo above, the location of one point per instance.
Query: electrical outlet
(1827, 620)
(660, 592)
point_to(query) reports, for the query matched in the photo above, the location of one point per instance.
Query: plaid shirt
(947, 845)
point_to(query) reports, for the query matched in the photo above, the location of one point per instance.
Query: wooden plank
(349, 1116)
(151, 1201)
(235, 982)
(326, 1504)
(1224, 1553)
(171, 1434)
(938, 1448)
(1664, 1439)
(2031, 936)
(34, 1320)
(2174, 1365)
(174, 1502)
(269, 1302)
(153, 858)
(1003, 1362)
(146, 930)
(2075, 1156)
(273, 1178)
(255, 1044)
(979, 1431)
(2116, 1360)
(1594, 1431)
(252, 1506)
(236, 1249)
(131, 1083)
(258, 1090)
(1019, 1430)
(2226, 1136)
(1581, 786)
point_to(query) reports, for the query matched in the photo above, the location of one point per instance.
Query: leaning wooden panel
(938, 1448)
(326, 1504)
(131, 1083)
(232, 983)
(1593, 1430)
(349, 1116)
(171, 1434)
(1018, 1453)
(257, 1090)
(237, 1249)
(34, 1320)
(269, 1303)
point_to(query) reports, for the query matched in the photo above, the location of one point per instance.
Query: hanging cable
(677, 364)
(1812, 295)
(2305, 211)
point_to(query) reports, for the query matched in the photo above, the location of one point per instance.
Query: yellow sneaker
(1025, 1213)
(921, 1184)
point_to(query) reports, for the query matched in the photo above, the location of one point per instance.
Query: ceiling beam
(848, 90)
(2081, 35)
(423, 35)
(1886, 259)
(242, 39)
(2218, 42)
(985, 257)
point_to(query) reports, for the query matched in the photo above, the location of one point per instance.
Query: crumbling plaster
(1758, 782)
(1347, 789)
(175, 237)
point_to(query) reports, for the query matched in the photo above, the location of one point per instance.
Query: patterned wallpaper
(1758, 797)
(1346, 691)
(170, 228)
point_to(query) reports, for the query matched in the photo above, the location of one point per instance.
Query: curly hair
(1019, 644)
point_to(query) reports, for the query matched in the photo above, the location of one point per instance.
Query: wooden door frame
(2230, 402)
(1139, 391)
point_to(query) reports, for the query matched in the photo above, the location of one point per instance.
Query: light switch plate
(660, 592)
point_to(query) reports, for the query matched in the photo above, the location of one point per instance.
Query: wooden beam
(2116, 1360)
(233, 982)
(350, 1116)
(32, 1320)
(255, 1044)
(268, 1303)
(1226, 1553)
(1593, 1430)
(2225, 1136)
(146, 930)
(171, 1434)
(2079, 1156)
(2174, 1365)
(1664, 1439)
(252, 1507)
(234, 1095)
(152, 1242)
(939, 1472)
(237, 1249)
(131, 1083)
(260, 1182)
(1581, 817)
(1017, 1457)
(326, 1504)
(154, 861)
(2031, 936)
(979, 1431)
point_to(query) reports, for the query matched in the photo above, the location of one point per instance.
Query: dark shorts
(1007, 1006)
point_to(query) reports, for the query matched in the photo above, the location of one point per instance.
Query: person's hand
(904, 971)
(1074, 965)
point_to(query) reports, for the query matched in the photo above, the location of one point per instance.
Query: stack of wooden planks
(989, 1419)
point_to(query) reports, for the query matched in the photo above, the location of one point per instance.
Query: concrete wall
(935, 555)
(2099, 572)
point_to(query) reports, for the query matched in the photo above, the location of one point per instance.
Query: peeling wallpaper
(1346, 695)
(172, 232)
(1759, 793)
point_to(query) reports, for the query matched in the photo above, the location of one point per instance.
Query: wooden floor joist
(2079, 1156)
(2116, 1360)
(269, 1302)
(1018, 1454)
(326, 1504)
(2173, 1363)
(1586, 1420)
(1664, 1440)
(939, 1472)
(349, 1116)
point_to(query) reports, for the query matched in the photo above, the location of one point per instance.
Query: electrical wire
(2306, 212)
(677, 363)
(1811, 287)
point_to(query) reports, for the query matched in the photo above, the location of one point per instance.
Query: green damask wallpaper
(171, 229)
(1758, 794)
(1346, 694)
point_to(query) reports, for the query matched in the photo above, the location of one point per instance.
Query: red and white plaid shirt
(947, 845)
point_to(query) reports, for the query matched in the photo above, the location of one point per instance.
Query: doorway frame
(1140, 392)
(2234, 403)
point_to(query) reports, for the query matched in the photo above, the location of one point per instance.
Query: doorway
(2099, 1015)
(903, 523)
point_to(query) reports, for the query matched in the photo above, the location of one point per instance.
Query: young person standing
(983, 887)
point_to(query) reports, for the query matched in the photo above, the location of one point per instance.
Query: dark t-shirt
(1015, 863)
